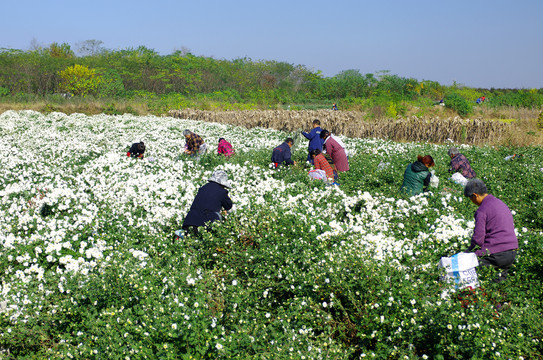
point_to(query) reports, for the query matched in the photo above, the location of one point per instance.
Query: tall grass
(354, 124)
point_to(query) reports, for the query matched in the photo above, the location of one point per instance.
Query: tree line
(133, 72)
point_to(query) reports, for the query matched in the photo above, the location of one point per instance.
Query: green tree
(111, 84)
(61, 50)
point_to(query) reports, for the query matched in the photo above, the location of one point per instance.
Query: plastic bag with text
(460, 271)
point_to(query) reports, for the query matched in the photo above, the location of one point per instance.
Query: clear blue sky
(479, 43)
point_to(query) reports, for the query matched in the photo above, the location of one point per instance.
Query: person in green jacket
(417, 176)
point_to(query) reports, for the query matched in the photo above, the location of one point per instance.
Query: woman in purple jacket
(494, 235)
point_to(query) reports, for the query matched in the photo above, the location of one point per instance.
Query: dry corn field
(353, 124)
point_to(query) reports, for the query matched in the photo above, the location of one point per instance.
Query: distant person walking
(334, 107)
(336, 151)
(314, 137)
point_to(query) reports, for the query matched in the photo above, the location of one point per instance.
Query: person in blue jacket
(314, 137)
(207, 205)
(282, 154)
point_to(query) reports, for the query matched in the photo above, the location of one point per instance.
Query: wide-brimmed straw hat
(221, 178)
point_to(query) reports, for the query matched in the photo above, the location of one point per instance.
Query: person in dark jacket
(314, 137)
(417, 176)
(494, 236)
(136, 150)
(207, 205)
(282, 154)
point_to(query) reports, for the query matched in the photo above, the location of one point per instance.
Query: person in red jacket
(225, 148)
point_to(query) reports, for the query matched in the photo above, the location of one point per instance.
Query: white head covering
(221, 178)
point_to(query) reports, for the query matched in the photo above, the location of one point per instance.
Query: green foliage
(61, 50)
(531, 99)
(457, 103)
(469, 94)
(110, 84)
(4, 91)
(239, 83)
(79, 80)
(286, 275)
(540, 121)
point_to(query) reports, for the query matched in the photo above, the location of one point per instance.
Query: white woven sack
(460, 270)
(317, 174)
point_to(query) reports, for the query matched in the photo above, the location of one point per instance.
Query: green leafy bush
(459, 104)
(4, 91)
(111, 84)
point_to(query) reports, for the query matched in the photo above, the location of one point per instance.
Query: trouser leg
(190, 229)
(501, 261)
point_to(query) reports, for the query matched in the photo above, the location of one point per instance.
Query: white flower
(218, 346)
(234, 282)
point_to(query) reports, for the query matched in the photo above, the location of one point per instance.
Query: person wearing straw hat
(208, 203)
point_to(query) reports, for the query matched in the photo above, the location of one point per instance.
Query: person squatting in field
(459, 163)
(494, 238)
(336, 149)
(314, 137)
(322, 163)
(416, 177)
(208, 203)
(282, 154)
(225, 148)
(194, 145)
(136, 150)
